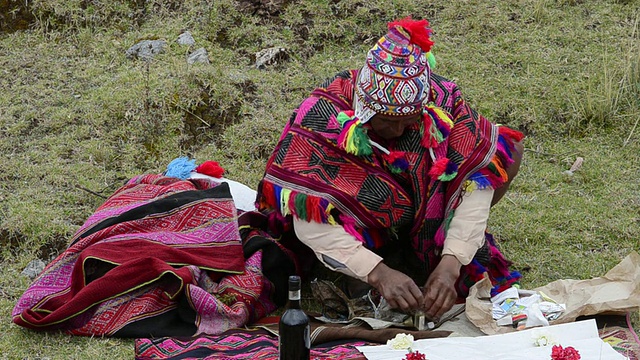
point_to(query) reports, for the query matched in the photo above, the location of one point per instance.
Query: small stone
(146, 49)
(186, 39)
(576, 164)
(200, 56)
(270, 56)
(33, 269)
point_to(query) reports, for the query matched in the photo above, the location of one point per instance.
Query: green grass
(76, 114)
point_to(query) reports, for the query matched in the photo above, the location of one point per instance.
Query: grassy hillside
(78, 118)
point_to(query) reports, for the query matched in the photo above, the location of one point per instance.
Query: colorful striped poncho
(310, 175)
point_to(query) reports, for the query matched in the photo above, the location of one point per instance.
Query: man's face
(391, 127)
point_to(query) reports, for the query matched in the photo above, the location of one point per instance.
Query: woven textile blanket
(623, 339)
(328, 341)
(260, 344)
(161, 257)
(237, 344)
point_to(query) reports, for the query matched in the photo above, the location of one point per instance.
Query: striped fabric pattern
(236, 344)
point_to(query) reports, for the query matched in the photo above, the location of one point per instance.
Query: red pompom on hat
(418, 30)
(210, 168)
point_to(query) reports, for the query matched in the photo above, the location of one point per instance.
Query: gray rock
(146, 49)
(199, 55)
(186, 39)
(270, 56)
(33, 269)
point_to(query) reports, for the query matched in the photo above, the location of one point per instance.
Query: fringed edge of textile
(289, 202)
(503, 283)
(309, 208)
(499, 283)
(494, 175)
(371, 239)
(497, 269)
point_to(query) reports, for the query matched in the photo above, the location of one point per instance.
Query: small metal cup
(420, 321)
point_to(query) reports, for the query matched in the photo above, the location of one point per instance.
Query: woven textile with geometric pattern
(236, 344)
(161, 257)
(622, 339)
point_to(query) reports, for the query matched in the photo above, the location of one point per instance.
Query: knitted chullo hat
(395, 81)
(395, 78)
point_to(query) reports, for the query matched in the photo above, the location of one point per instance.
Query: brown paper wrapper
(617, 292)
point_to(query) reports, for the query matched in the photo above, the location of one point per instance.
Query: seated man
(391, 156)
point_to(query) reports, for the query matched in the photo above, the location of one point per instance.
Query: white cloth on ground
(243, 196)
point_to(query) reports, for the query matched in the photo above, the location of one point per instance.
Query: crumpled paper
(524, 308)
(617, 292)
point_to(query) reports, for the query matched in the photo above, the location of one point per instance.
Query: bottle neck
(294, 299)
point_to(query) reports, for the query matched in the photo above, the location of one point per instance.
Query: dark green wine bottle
(293, 329)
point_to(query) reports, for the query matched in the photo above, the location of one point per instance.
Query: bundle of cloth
(163, 256)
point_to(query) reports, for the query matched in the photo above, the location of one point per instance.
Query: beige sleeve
(337, 249)
(466, 230)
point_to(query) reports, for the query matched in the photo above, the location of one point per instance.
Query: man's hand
(440, 291)
(400, 291)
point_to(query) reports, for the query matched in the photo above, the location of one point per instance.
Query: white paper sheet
(582, 335)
